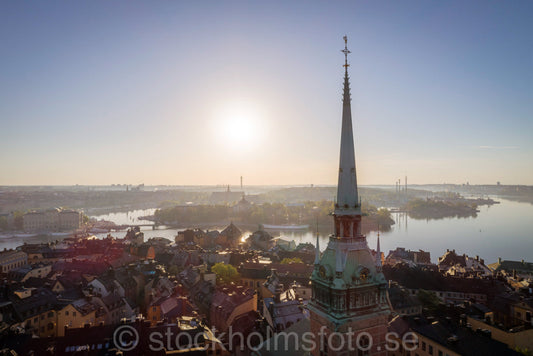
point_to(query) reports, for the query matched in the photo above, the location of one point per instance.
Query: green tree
(225, 273)
(383, 217)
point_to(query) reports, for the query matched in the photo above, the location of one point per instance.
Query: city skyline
(181, 94)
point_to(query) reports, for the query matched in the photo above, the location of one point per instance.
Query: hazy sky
(197, 92)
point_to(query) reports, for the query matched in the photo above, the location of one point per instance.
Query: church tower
(349, 308)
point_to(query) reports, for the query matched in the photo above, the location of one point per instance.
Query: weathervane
(346, 51)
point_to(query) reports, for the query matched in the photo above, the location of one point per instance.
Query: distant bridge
(127, 226)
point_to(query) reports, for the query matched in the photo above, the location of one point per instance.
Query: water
(502, 230)
(130, 217)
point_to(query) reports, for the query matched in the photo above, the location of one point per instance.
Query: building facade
(349, 289)
(52, 220)
(12, 259)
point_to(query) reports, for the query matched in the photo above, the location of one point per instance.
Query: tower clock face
(322, 271)
(364, 274)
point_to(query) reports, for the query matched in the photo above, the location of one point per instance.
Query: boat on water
(286, 227)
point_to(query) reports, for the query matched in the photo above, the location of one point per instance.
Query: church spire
(347, 196)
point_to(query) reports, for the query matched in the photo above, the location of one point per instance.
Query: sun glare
(238, 125)
(239, 128)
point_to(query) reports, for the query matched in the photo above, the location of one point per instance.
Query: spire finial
(345, 51)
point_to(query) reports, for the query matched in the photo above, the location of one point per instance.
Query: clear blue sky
(193, 92)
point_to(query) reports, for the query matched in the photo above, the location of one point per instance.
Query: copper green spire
(347, 196)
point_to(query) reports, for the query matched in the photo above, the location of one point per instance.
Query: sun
(239, 125)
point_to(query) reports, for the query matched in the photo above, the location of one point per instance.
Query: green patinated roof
(355, 260)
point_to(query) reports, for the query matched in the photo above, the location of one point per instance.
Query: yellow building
(43, 324)
(75, 315)
(522, 338)
(427, 346)
(22, 274)
(12, 259)
(34, 308)
(522, 311)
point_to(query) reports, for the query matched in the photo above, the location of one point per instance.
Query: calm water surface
(502, 230)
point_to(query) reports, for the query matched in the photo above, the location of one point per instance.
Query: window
(430, 350)
(423, 346)
(440, 353)
(51, 314)
(66, 313)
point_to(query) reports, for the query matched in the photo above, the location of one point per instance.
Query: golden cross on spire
(345, 51)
